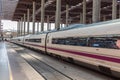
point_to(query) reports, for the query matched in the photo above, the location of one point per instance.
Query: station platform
(13, 67)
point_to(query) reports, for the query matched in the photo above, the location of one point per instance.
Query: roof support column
(119, 10)
(37, 27)
(21, 26)
(90, 21)
(96, 11)
(67, 14)
(0, 28)
(84, 11)
(104, 18)
(18, 28)
(58, 14)
(114, 9)
(28, 20)
(42, 14)
(33, 17)
(60, 25)
(50, 26)
(48, 23)
(81, 18)
(24, 24)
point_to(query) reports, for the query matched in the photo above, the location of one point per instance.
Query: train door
(46, 42)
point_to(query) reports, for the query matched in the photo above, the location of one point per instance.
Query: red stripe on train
(116, 60)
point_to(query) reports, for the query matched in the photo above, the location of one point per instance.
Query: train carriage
(96, 46)
(36, 41)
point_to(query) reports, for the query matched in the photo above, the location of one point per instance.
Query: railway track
(52, 69)
(47, 71)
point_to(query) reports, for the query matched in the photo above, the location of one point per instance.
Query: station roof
(7, 8)
(75, 8)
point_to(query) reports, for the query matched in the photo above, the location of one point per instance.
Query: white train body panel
(107, 57)
(18, 40)
(100, 30)
(39, 45)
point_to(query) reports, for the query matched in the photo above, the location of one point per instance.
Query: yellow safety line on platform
(10, 72)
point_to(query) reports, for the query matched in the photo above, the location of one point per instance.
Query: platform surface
(13, 67)
(4, 63)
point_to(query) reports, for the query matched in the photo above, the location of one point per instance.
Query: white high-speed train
(96, 46)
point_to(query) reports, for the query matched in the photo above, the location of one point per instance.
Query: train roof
(74, 26)
(104, 22)
(64, 28)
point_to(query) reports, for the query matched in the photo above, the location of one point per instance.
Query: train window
(103, 42)
(70, 41)
(100, 42)
(26, 39)
(19, 40)
(34, 40)
(82, 42)
(61, 41)
(54, 41)
(37, 40)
